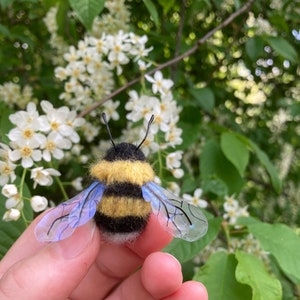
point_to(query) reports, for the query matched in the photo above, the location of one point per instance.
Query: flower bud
(38, 203)
(9, 190)
(11, 215)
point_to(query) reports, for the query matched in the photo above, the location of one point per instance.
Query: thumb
(56, 270)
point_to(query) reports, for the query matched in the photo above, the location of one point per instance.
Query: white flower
(119, 48)
(139, 50)
(7, 172)
(159, 84)
(43, 176)
(56, 118)
(9, 190)
(11, 203)
(173, 160)
(174, 187)
(26, 134)
(4, 151)
(72, 55)
(233, 210)
(196, 198)
(110, 108)
(232, 215)
(77, 183)
(242, 212)
(27, 152)
(11, 215)
(26, 119)
(38, 203)
(230, 203)
(177, 173)
(143, 66)
(12, 94)
(90, 131)
(54, 145)
(62, 121)
(173, 136)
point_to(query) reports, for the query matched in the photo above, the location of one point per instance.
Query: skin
(85, 267)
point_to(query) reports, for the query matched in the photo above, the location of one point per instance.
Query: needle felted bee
(121, 199)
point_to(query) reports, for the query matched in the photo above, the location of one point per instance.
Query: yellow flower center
(26, 151)
(27, 133)
(54, 126)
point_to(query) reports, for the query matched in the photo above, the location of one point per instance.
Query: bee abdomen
(121, 225)
(124, 189)
(122, 212)
(123, 199)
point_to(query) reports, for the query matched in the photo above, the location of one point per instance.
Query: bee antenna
(107, 127)
(147, 131)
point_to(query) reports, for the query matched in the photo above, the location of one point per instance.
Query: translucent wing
(61, 221)
(181, 219)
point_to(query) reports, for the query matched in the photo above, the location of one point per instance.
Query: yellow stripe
(123, 207)
(135, 172)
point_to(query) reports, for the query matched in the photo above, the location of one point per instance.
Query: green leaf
(166, 5)
(255, 48)
(152, 10)
(185, 251)
(205, 98)
(251, 271)
(294, 109)
(4, 31)
(190, 133)
(265, 161)
(61, 17)
(213, 163)
(87, 10)
(283, 243)
(218, 276)
(215, 186)
(10, 231)
(283, 48)
(235, 150)
(5, 124)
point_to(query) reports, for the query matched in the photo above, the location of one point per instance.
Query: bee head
(125, 151)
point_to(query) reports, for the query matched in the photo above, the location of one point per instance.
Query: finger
(191, 290)
(55, 271)
(160, 276)
(26, 245)
(116, 262)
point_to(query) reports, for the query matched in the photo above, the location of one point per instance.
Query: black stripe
(125, 189)
(121, 224)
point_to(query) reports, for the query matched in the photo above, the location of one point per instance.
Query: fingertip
(161, 274)
(192, 290)
(85, 238)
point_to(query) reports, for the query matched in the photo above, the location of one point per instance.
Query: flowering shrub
(225, 96)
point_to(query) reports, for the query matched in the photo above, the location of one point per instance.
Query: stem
(176, 59)
(22, 197)
(62, 189)
(60, 184)
(227, 234)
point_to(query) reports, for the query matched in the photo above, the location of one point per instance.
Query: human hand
(85, 267)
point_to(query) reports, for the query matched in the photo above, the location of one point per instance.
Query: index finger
(25, 245)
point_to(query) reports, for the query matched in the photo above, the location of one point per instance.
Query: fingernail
(78, 242)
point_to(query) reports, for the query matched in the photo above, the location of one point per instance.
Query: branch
(176, 59)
